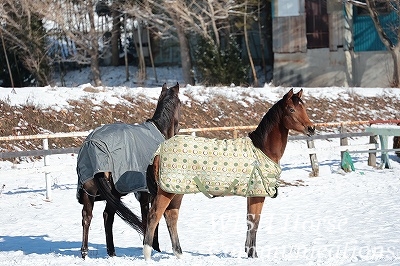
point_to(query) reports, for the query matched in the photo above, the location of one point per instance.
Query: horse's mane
(163, 116)
(270, 119)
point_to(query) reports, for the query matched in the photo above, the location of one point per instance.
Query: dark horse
(269, 138)
(113, 160)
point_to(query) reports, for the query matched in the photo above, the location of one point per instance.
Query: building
(329, 43)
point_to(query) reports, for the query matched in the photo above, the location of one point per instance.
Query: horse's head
(295, 116)
(168, 111)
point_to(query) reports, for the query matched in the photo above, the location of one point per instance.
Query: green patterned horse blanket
(215, 167)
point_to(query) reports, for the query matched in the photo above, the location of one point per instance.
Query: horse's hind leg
(160, 204)
(254, 208)
(87, 200)
(108, 216)
(171, 217)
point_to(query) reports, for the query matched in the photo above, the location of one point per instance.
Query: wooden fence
(235, 129)
(370, 147)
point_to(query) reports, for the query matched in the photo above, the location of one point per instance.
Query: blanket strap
(257, 167)
(203, 189)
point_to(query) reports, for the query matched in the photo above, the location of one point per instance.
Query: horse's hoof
(252, 255)
(251, 252)
(111, 254)
(84, 253)
(147, 252)
(178, 255)
(156, 247)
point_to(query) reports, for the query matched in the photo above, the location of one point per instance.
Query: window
(317, 27)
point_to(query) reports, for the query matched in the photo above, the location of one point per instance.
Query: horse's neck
(158, 126)
(167, 129)
(170, 132)
(274, 143)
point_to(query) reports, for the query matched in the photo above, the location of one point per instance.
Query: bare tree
(186, 60)
(207, 18)
(372, 6)
(23, 31)
(79, 27)
(246, 38)
(164, 23)
(116, 31)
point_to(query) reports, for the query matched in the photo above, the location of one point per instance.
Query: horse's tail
(151, 181)
(120, 208)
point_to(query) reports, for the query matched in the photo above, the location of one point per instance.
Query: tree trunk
(395, 53)
(393, 50)
(262, 40)
(141, 77)
(246, 39)
(214, 24)
(94, 50)
(115, 37)
(8, 63)
(186, 60)
(94, 67)
(348, 48)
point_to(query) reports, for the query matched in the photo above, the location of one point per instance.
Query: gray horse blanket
(125, 150)
(216, 167)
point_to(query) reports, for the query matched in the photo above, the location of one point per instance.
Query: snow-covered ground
(336, 218)
(333, 219)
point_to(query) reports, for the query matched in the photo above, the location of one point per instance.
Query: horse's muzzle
(310, 130)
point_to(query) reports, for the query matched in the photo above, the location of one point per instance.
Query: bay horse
(113, 161)
(269, 139)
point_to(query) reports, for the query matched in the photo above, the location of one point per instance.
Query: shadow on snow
(41, 245)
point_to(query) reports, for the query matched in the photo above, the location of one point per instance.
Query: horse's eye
(291, 110)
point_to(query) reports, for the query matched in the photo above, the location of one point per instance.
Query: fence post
(46, 174)
(343, 142)
(313, 159)
(372, 155)
(235, 133)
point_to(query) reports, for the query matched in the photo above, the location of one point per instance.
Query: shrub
(219, 66)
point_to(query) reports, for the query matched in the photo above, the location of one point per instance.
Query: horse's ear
(163, 91)
(288, 95)
(300, 93)
(175, 88)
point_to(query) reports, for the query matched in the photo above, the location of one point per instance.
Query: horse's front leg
(160, 204)
(254, 208)
(145, 199)
(171, 217)
(108, 216)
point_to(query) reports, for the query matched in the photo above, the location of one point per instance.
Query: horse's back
(125, 150)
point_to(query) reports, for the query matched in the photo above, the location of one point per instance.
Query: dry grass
(219, 111)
